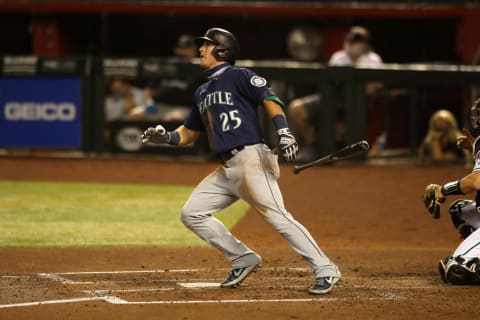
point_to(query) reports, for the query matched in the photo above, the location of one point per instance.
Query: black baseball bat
(343, 153)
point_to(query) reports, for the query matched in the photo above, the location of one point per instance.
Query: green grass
(39, 214)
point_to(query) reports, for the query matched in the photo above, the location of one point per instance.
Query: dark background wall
(403, 31)
(396, 40)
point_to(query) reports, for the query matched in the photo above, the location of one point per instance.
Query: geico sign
(48, 111)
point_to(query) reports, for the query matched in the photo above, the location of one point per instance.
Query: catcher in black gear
(462, 267)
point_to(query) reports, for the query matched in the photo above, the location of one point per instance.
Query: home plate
(198, 284)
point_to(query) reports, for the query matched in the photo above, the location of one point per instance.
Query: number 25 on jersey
(230, 120)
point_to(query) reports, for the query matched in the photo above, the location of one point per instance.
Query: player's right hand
(157, 135)
(466, 141)
(288, 145)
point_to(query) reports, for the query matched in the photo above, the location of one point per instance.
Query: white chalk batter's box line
(116, 300)
(105, 294)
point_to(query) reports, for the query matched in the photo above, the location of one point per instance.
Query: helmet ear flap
(219, 53)
(222, 54)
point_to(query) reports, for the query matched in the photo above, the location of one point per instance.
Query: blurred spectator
(303, 112)
(440, 143)
(304, 43)
(121, 99)
(186, 47)
(170, 99)
(356, 50)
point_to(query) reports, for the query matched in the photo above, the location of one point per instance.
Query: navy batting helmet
(226, 44)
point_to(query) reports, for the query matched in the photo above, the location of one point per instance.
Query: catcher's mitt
(432, 203)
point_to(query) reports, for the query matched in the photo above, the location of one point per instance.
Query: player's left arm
(273, 109)
(287, 143)
(251, 85)
(435, 194)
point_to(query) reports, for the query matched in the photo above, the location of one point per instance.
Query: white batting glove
(157, 135)
(287, 144)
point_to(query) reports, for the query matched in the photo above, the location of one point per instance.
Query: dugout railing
(412, 82)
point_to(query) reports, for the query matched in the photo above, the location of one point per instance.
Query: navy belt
(227, 155)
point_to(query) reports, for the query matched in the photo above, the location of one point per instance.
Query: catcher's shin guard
(455, 210)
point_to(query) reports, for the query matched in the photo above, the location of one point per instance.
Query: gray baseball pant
(252, 176)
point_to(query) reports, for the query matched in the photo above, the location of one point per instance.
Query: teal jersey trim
(276, 100)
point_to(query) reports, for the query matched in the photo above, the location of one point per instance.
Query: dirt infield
(369, 220)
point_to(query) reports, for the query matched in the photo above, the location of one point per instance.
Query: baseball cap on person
(358, 34)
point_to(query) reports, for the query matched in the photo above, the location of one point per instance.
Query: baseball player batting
(462, 267)
(226, 108)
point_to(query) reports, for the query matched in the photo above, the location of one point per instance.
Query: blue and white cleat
(323, 285)
(236, 276)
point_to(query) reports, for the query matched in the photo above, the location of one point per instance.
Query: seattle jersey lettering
(216, 97)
